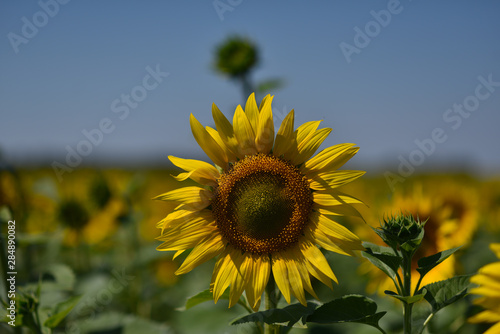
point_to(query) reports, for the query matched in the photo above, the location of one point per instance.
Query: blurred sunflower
(264, 207)
(488, 280)
(92, 221)
(451, 213)
(490, 206)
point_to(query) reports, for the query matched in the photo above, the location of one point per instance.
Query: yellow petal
(194, 196)
(244, 133)
(304, 273)
(317, 260)
(230, 156)
(198, 171)
(263, 102)
(238, 277)
(171, 217)
(258, 279)
(495, 247)
(495, 329)
(207, 143)
(187, 240)
(330, 180)
(306, 129)
(485, 316)
(176, 228)
(204, 251)
(334, 229)
(285, 136)
(191, 164)
(491, 269)
(295, 280)
(197, 176)
(280, 274)
(309, 145)
(265, 132)
(252, 112)
(338, 210)
(225, 130)
(223, 272)
(179, 252)
(326, 242)
(328, 156)
(332, 198)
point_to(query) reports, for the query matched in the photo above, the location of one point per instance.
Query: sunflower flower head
(264, 208)
(402, 232)
(73, 214)
(488, 279)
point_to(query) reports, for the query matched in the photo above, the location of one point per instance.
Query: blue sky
(395, 91)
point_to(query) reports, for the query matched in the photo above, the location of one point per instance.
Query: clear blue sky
(396, 89)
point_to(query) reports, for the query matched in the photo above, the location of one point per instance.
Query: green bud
(402, 232)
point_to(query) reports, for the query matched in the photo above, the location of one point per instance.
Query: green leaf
(426, 264)
(378, 249)
(287, 316)
(444, 293)
(63, 275)
(202, 297)
(350, 308)
(388, 263)
(60, 311)
(408, 299)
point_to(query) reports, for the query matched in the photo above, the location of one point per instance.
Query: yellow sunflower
(264, 207)
(488, 279)
(451, 213)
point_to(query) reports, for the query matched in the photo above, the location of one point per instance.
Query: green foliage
(350, 308)
(202, 297)
(60, 311)
(443, 293)
(286, 316)
(426, 264)
(406, 299)
(383, 258)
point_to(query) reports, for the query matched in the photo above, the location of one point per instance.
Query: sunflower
(264, 207)
(451, 214)
(488, 279)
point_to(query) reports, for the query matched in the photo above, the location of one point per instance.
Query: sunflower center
(262, 204)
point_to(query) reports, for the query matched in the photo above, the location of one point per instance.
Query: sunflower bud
(402, 232)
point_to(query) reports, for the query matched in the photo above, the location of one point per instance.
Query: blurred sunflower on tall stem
(264, 207)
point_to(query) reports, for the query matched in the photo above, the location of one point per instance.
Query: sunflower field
(86, 258)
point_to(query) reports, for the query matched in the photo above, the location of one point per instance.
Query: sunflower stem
(407, 308)
(271, 303)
